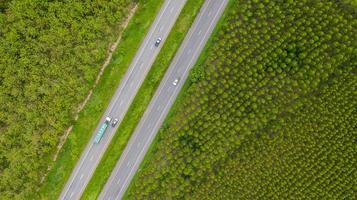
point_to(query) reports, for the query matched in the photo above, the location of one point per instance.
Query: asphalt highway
(163, 99)
(122, 98)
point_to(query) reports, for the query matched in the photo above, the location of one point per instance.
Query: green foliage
(274, 116)
(4, 5)
(50, 55)
(196, 74)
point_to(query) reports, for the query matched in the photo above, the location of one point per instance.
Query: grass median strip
(142, 99)
(90, 115)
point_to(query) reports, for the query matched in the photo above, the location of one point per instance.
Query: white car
(115, 122)
(107, 120)
(158, 40)
(175, 81)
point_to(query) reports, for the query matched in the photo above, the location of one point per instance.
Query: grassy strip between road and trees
(102, 94)
(142, 99)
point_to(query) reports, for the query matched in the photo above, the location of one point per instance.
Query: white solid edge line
(104, 189)
(164, 109)
(159, 92)
(141, 52)
(76, 173)
(81, 189)
(137, 86)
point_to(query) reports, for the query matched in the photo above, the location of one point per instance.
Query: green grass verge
(90, 115)
(142, 99)
(178, 102)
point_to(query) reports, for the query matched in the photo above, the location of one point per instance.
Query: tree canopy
(50, 54)
(273, 116)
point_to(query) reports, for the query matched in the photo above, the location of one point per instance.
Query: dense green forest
(270, 112)
(50, 55)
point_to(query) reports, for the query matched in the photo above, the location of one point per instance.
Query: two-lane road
(123, 97)
(163, 99)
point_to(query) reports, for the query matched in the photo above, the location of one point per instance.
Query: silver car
(158, 41)
(115, 122)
